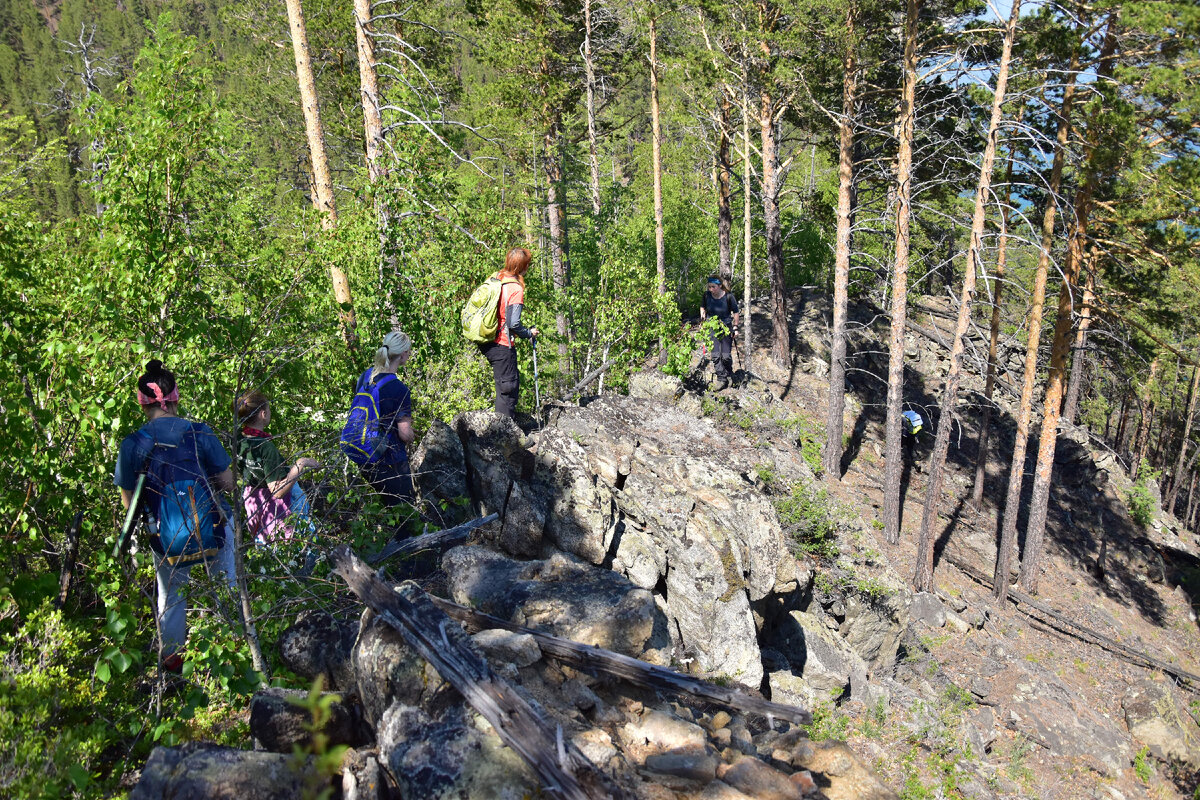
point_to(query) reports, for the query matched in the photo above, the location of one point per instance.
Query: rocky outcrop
(200, 771)
(281, 720)
(1156, 720)
(320, 644)
(440, 472)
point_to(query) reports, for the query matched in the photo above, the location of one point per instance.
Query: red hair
(515, 265)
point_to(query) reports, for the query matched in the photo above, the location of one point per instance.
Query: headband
(714, 280)
(159, 398)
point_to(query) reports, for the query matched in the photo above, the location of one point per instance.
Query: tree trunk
(660, 251)
(724, 211)
(923, 578)
(899, 305)
(834, 426)
(747, 198)
(780, 344)
(1188, 418)
(589, 68)
(1079, 358)
(1141, 440)
(1016, 470)
(322, 182)
(1191, 500)
(1122, 425)
(373, 138)
(558, 261)
(1039, 506)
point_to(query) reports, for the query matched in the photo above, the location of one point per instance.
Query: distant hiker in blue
(380, 422)
(719, 302)
(185, 467)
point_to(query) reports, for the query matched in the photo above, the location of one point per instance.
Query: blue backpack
(363, 440)
(184, 517)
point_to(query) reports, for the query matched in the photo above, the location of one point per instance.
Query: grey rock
(202, 771)
(874, 629)
(498, 644)
(558, 595)
(440, 472)
(839, 772)
(499, 469)
(279, 721)
(927, 608)
(1157, 720)
(980, 730)
(818, 655)
(388, 670)
(450, 756)
(362, 777)
(320, 644)
(694, 765)
(754, 778)
(956, 622)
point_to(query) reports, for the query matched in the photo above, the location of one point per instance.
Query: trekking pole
(537, 392)
(130, 516)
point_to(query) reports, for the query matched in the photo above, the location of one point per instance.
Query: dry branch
(429, 541)
(592, 659)
(562, 768)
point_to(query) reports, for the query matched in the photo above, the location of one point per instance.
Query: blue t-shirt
(723, 308)
(395, 403)
(211, 454)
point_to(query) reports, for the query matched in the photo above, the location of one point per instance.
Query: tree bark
(989, 387)
(1039, 506)
(1079, 350)
(554, 216)
(1188, 418)
(747, 198)
(923, 578)
(1016, 470)
(834, 425)
(660, 251)
(724, 209)
(322, 181)
(589, 68)
(1141, 440)
(373, 138)
(780, 343)
(899, 305)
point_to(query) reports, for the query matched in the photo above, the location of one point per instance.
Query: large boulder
(825, 666)
(387, 670)
(453, 755)
(1157, 720)
(559, 595)
(439, 469)
(280, 720)
(499, 469)
(874, 626)
(319, 643)
(202, 771)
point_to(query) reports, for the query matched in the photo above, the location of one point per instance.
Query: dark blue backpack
(185, 520)
(363, 440)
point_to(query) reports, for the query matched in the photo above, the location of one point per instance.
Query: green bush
(805, 516)
(1140, 500)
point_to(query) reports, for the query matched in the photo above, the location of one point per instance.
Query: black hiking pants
(508, 380)
(722, 356)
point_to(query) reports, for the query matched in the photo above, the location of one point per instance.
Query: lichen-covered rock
(558, 595)
(873, 629)
(202, 771)
(440, 471)
(387, 670)
(839, 772)
(362, 776)
(818, 656)
(320, 644)
(452, 756)
(519, 649)
(1157, 720)
(655, 385)
(279, 720)
(498, 469)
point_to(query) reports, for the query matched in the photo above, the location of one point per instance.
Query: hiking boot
(173, 663)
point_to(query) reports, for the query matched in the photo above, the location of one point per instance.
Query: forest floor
(1146, 599)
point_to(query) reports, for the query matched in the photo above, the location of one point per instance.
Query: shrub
(1140, 500)
(805, 516)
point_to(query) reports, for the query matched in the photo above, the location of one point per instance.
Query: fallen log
(1134, 656)
(592, 659)
(562, 768)
(429, 541)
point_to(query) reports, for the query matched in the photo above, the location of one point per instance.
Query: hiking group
(174, 473)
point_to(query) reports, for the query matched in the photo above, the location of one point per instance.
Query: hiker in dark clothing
(189, 455)
(501, 354)
(719, 302)
(389, 474)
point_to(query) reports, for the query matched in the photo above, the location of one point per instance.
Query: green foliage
(828, 722)
(1143, 765)
(1141, 500)
(805, 515)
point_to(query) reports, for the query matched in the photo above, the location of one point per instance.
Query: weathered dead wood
(1135, 656)
(428, 541)
(562, 768)
(70, 555)
(592, 659)
(936, 338)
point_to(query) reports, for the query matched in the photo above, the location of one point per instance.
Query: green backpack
(481, 314)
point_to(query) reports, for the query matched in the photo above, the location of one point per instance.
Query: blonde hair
(395, 344)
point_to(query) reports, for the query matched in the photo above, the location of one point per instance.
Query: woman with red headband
(175, 452)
